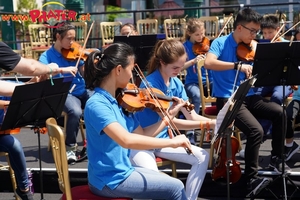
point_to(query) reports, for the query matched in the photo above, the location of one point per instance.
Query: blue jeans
(73, 107)
(13, 147)
(146, 183)
(276, 96)
(193, 92)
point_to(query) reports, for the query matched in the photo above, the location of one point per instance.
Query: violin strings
(142, 77)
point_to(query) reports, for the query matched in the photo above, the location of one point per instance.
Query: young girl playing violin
(196, 47)
(63, 37)
(166, 62)
(228, 73)
(112, 132)
(270, 26)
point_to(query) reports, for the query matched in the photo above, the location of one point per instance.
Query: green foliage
(24, 6)
(111, 17)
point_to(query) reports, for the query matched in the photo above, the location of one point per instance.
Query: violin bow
(277, 34)
(153, 95)
(84, 44)
(225, 25)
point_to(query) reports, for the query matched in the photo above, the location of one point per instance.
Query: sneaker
(256, 185)
(290, 151)
(24, 195)
(191, 136)
(276, 165)
(71, 157)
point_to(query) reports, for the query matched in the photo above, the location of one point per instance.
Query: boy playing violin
(228, 73)
(270, 27)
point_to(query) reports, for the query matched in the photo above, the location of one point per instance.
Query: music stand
(233, 106)
(278, 64)
(32, 104)
(142, 46)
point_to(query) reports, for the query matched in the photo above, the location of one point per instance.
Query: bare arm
(7, 88)
(136, 141)
(3, 103)
(32, 67)
(212, 62)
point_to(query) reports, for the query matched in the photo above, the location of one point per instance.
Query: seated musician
(112, 132)
(196, 46)
(228, 73)
(64, 38)
(270, 27)
(128, 29)
(11, 61)
(165, 63)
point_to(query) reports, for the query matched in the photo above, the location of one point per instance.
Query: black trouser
(255, 107)
(292, 111)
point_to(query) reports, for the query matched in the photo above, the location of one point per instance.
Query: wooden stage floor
(209, 190)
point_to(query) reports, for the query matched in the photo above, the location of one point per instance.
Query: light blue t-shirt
(109, 162)
(147, 116)
(224, 80)
(192, 73)
(53, 56)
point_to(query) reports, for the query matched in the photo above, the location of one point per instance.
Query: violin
(76, 51)
(220, 172)
(134, 99)
(246, 52)
(202, 47)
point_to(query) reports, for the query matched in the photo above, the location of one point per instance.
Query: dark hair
(62, 28)
(270, 21)
(247, 15)
(167, 51)
(100, 63)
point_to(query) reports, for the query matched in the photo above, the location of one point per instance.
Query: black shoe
(81, 155)
(24, 195)
(276, 165)
(256, 185)
(290, 151)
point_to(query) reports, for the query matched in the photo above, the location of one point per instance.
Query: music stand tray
(274, 62)
(235, 104)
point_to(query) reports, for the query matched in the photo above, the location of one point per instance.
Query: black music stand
(278, 64)
(142, 45)
(224, 130)
(32, 104)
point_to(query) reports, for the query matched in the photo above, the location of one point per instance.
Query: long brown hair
(166, 51)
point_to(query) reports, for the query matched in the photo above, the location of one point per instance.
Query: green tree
(111, 17)
(23, 7)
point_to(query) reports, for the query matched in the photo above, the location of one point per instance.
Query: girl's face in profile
(126, 73)
(173, 69)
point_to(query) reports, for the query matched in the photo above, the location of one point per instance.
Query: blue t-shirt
(53, 56)
(109, 162)
(147, 116)
(225, 50)
(192, 73)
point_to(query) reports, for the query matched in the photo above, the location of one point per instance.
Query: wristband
(236, 64)
(50, 69)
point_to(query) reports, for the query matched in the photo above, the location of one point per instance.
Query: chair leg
(12, 177)
(81, 124)
(211, 156)
(174, 172)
